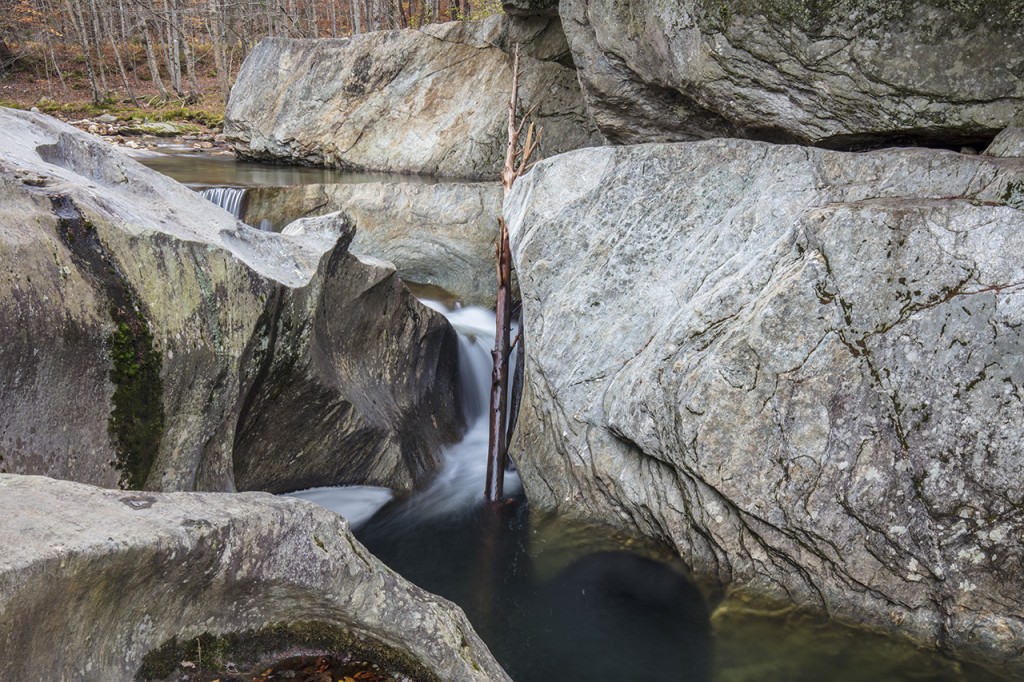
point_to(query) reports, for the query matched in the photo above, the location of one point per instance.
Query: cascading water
(228, 198)
(460, 483)
(609, 615)
(232, 200)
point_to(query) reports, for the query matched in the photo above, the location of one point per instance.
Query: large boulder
(131, 307)
(359, 375)
(127, 583)
(845, 74)
(440, 234)
(802, 368)
(431, 101)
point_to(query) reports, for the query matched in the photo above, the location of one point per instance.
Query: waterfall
(229, 198)
(232, 200)
(460, 483)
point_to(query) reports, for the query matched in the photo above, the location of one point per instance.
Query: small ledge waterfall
(232, 200)
(229, 198)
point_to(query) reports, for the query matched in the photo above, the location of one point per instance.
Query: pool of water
(199, 171)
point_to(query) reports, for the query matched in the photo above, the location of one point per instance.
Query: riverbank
(147, 123)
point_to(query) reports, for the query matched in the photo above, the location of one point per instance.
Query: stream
(555, 601)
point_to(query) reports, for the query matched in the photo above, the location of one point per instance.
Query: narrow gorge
(769, 283)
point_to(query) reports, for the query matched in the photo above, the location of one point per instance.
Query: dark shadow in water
(606, 616)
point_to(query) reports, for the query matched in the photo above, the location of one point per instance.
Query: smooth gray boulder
(844, 74)
(432, 101)
(130, 299)
(802, 368)
(117, 578)
(440, 234)
(1009, 143)
(358, 378)
(133, 304)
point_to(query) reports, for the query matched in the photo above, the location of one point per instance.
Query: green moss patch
(136, 420)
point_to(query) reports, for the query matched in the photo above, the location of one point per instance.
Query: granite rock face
(130, 308)
(440, 234)
(802, 368)
(115, 576)
(530, 8)
(430, 101)
(358, 374)
(844, 74)
(1009, 143)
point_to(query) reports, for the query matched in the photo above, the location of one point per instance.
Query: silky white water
(232, 200)
(460, 483)
(228, 198)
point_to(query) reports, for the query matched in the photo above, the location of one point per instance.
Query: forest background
(172, 59)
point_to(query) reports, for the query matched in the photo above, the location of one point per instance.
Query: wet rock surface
(119, 579)
(842, 74)
(800, 367)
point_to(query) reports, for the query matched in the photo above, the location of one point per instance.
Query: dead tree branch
(517, 162)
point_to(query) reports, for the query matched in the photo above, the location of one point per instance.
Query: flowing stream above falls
(554, 600)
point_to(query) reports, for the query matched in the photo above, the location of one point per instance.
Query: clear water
(200, 171)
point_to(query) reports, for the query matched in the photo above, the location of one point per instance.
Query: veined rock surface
(432, 101)
(131, 304)
(117, 578)
(845, 74)
(803, 368)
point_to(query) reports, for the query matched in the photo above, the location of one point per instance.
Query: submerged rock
(431, 101)
(125, 581)
(440, 234)
(131, 303)
(843, 74)
(802, 368)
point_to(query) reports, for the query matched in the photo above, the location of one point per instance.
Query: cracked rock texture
(431, 101)
(847, 73)
(441, 234)
(113, 575)
(131, 305)
(802, 368)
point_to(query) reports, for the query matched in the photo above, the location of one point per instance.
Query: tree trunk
(123, 72)
(79, 25)
(154, 67)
